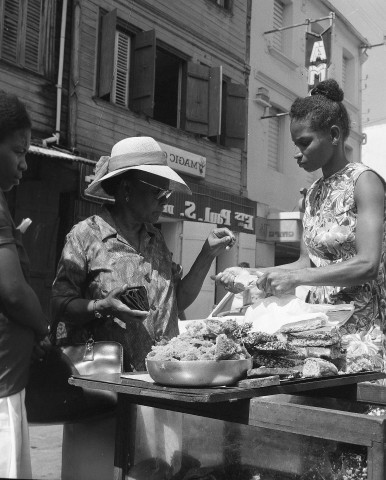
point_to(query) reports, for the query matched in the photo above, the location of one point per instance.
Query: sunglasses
(159, 192)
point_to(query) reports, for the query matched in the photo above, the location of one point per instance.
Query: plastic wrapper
(362, 352)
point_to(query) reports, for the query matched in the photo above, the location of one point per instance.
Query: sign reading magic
(207, 205)
(185, 162)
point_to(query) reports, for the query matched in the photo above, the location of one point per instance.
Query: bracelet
(97, 314)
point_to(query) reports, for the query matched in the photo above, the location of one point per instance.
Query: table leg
(125, 437)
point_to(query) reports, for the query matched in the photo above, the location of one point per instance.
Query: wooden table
(229, 404)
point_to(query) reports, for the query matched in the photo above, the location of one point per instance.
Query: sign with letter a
(318, 56)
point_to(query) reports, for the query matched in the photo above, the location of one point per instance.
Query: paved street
(46, 451)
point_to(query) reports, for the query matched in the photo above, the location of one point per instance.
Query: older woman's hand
(278, 282)
(219, 239)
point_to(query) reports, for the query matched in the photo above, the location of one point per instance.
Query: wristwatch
(97, 314)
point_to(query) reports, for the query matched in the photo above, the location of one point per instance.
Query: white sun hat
(134, 153)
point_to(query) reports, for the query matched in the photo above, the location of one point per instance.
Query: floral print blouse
(95, 260)
(329, 226)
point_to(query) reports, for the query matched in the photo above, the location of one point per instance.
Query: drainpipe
(59, 87)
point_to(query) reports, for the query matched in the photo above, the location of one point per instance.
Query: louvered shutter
(235, 115)
(197, 99)
(273, 141)
(32, 34)
(278, 15)
(10, 24)
(344, 71)
(215, 98)
(144, 73)
(122, 69)
(106, 63)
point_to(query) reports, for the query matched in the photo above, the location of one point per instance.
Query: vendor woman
(344, 218)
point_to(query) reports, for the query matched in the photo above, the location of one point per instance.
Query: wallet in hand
(136, 298)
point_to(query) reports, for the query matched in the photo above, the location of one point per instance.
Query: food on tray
(269, 360)
(226, 348)
(358, 364)
(318, 367)
(202, 340)
(268, 371)
(333, 352)
(313, 342)
(303, 325)
(325, 333)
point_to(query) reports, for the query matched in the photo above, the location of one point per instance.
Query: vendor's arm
(227, 277)
(369, 198)
(17, 298)
(189, 287)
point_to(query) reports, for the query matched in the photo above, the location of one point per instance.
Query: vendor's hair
(323, 108)
(13, 115)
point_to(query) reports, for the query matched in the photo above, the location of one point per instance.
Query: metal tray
(198, 373)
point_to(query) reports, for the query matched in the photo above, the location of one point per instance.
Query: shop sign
(285, 230)
(318, 56)
(212, 206)
(183, 161)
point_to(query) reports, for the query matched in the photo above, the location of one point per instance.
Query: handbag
(136, 298)
(49, 396)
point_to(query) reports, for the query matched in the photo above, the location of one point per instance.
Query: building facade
(211, 80)
(93, 72)
(282, 67)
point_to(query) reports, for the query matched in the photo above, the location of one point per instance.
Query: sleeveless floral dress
(329, 226)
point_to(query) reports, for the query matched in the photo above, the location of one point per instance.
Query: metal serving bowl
(198, 373)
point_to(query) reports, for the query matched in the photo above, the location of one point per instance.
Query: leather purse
(49, 396)
(136, 298)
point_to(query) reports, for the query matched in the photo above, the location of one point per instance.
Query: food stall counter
(182, 429)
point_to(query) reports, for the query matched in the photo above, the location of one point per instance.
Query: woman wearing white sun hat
(119, 248)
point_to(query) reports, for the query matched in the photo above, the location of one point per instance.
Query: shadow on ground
(46, 451)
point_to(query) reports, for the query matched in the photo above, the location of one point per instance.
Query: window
(156, 80)
(344, 71)
(275, 139)
(167, 87)
(121, 80)
(25, 33)
(278, 22)
(348, 75)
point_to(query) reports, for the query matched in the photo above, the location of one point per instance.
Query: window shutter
(122, 69)
(278, 16)
(273, 140)
(47, 39)
(344, 71)
(144, 73)
(215, 97)
(197, 98)
(32, 35)
(106, 63)
(235, 115)
(10, 23)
